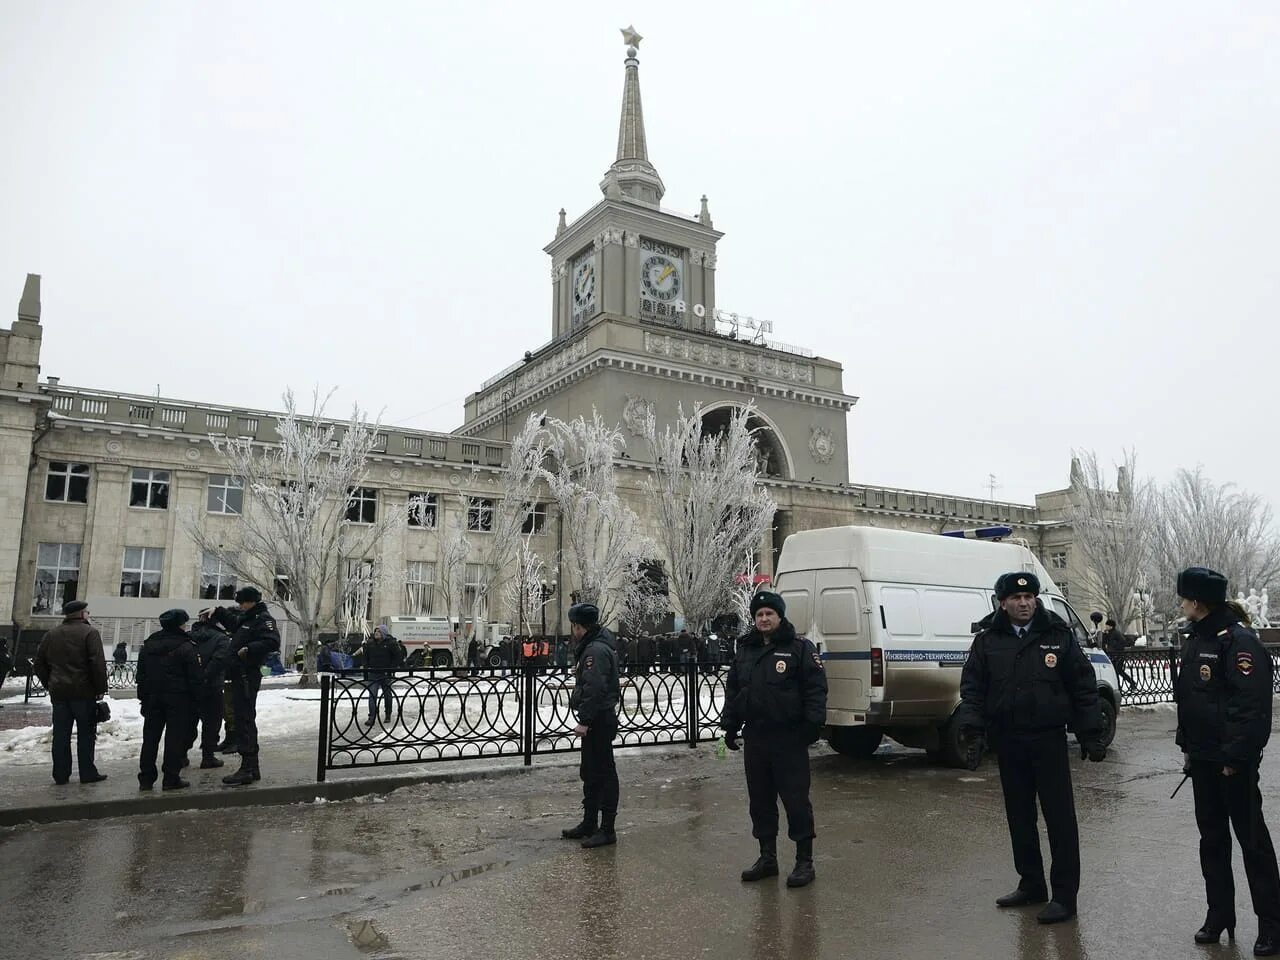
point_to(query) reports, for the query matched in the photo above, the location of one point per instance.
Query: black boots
(1055, 912)
(177, 783)
(1267, 944)
(1211, 931)
(767, 863)
(210, 762)
(803, 874)
(1022, 898)
(246, 775)
(585, 828)
(605, 836)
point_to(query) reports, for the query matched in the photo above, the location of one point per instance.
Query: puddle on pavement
(366, 937)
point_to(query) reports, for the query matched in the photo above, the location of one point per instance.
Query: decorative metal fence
(1147, 676)
(120, 676)
(432, 715)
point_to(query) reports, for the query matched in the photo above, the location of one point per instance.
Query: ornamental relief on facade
(533, 374)
(715, 355)
(636, 414)
(822, 446)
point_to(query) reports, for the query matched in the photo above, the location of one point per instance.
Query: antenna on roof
(992, 486)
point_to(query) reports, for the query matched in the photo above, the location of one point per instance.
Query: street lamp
(548, 590)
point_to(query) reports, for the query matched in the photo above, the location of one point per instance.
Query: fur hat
(584, 614)
(248, 595)
(1011, 583)
(1201, 583)
(767, 598)
(173, 619)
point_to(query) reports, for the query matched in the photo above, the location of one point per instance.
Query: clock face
(660, 275)
(584, 283)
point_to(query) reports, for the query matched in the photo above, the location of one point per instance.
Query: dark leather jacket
(71, 663)
(1224, 692)
(775, 682)
(1039, 683)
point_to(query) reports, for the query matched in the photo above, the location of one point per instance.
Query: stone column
(182, 558)
(388, 597)
(103, 552)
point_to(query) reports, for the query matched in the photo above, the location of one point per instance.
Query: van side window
(838, 611)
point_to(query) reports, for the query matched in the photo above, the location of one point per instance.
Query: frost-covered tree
(710, 506)
(524, 592)
(604, 548)
(303, 514)
(495, 525)
(1112, 530)
(1199, 522)
(451, 552)
(742, 589)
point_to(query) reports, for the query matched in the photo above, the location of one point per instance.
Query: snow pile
(281, 713)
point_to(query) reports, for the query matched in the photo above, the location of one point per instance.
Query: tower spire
(632, 173)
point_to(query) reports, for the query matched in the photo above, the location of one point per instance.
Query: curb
(330, 790)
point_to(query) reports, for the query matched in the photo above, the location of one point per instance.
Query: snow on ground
(281, 712)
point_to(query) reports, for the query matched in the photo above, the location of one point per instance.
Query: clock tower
(633, 333)
(626, 256)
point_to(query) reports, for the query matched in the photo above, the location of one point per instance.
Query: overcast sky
(1022, 228)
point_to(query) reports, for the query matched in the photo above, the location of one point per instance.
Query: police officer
(1113, 644)
(1026, 681)
(777, 689)
(256, 638)
(214, 648)
(594, 701)
(169, 683)
(1224, 720)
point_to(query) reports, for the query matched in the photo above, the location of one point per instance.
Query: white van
(893, 613)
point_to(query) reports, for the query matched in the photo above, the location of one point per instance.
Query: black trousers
(777, 767)
(208, 714)
(598, 773)
(173, 722)
(1117, 661)
(83, 714)
(244, 704)
(1223, 803)
(228, 711)
(1036, 766)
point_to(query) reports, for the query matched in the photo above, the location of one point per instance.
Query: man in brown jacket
(72, 666)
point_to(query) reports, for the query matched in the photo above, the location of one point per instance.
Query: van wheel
(441, 658)
(859, 742)
(951, 751)
(495, 658)
(1108, 719)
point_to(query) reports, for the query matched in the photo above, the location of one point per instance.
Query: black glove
(971, 737)
(731, 741)
(812, 732)
(1186, 765)
(1094, 750)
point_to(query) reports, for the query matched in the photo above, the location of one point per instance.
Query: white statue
(1264, 610)
(1254, 606)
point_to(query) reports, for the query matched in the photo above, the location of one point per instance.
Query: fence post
(691, 701)
(26, 698)
(1173, 670)
(322, 747)
(527, 713)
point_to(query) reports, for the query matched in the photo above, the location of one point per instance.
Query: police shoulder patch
(1244, 662)
(818, 660)
(588, 662)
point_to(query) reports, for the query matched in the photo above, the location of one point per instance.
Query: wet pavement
(910, 858)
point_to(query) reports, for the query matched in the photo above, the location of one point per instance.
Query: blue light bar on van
(981, 533)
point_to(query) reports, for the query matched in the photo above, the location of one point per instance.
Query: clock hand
(666, 273)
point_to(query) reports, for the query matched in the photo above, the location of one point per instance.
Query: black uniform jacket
(214, 647)
(1039, 683)
(596, 691)
(775, 682)
(1224, 692)
(258, 634)
(169, 670)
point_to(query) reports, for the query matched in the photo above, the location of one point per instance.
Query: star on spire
(630, 37)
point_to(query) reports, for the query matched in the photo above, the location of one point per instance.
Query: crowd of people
(190, 680)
